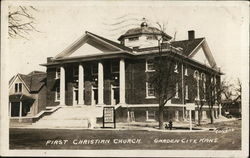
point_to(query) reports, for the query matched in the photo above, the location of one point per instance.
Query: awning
(20, 97)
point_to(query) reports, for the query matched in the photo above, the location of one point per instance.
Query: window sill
(150, 97)
(150, 120)
(57, 100)
(150, 71)
(176, 97)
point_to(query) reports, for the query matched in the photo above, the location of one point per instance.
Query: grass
(37, 138)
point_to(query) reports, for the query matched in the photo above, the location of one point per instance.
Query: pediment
(86, 49)
(201, 57)
(87, 45)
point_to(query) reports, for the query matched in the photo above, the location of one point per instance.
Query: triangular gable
(86, 49)
(203, 55)
(18, 79)
(86, 45)
(201, 58)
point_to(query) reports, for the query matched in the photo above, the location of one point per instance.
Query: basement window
(150, 115)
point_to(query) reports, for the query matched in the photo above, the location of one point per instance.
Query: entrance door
(115, 95)
(75, 96)
(94, 95)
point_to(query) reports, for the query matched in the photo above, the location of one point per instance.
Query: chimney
(191, 35)
(49, 59)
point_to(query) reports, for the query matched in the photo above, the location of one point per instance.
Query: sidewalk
(148, 126)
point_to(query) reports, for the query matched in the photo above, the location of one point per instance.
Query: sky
(60, 24)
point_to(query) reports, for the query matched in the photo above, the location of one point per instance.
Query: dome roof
(144, 29)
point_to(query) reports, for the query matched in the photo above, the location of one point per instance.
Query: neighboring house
(231, 107)
(27, 94)
(95, 71)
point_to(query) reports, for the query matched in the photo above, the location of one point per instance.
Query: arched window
(197, 77)
(203, 78)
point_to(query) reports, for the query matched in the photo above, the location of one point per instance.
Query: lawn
(228, 137)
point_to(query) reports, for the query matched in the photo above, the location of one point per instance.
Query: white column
(10, 109)
(80, 85)
(62, 86)
(122, 81)
(20, 109)
(100, 83)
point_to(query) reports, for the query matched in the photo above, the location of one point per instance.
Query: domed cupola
(144, 24)
(142, 37)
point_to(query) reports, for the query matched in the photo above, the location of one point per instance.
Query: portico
(99, 87)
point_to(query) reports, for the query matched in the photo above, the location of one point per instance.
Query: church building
(97, 72)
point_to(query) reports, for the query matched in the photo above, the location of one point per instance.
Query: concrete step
(72, 116)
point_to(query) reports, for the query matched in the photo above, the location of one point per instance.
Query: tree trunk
(199, 117)
(211, 115)
(161, 120)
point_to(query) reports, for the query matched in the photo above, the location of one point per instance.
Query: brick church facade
(97, 72)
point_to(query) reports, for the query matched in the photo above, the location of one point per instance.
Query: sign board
(108, 115)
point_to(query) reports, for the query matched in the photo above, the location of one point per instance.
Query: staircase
(71, 117)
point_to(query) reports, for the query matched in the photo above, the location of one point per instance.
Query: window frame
(147, 64)
(18, 87)
(147, 92)
(203, 79)
(176, 68)
(176, 90)
(186, 92)
(147, 115)
(186, 71)
(56, 94)
(58, 73)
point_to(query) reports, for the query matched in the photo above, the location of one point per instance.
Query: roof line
(107, 41)
(18, 75)
(194, 50)
(96, 37)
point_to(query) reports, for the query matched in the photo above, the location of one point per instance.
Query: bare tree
(164, 78)
(238, 89)
(21, 21)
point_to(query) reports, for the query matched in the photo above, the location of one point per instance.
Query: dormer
(143, 36)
